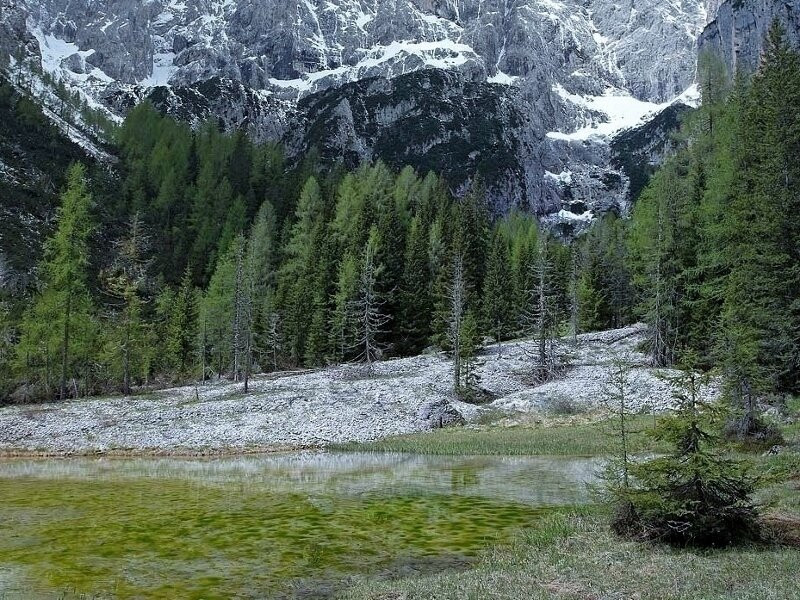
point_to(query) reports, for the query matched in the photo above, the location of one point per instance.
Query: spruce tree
(415, 299)
(470, 345)
(498, 290)
(694, 495)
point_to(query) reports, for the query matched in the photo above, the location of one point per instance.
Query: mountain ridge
(272, 69)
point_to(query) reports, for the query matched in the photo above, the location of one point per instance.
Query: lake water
(294, 525)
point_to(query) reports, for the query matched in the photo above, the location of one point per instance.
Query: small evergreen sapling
(694, 495)
(616, 399)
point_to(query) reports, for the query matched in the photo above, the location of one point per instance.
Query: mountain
(526, 93)
(737, 32)
(530, 95)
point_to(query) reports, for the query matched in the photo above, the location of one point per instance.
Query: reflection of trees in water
(461, 478)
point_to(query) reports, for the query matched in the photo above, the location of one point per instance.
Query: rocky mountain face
(527, 93)
(737, 32)
(540, 97)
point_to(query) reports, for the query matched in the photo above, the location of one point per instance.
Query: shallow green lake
(260, 526)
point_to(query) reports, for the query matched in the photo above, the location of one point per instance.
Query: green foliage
(604, 283)
(498, 307)
(694, 495)
(469, 347)
(128, 342)
(180, 324)
(216, 311)
(239, 241)
(415, 295)
(58, 331)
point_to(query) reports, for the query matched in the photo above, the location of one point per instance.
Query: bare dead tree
(273, 338)
(456, 294)
(369, 310)
(540, 316)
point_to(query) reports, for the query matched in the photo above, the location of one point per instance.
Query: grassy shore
(573, 555)
(585, 435)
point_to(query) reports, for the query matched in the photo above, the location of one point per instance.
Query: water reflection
(533, 480)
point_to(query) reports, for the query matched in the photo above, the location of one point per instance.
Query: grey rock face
(737, 33)
(512, 73)
(432, 120)
(231, 102)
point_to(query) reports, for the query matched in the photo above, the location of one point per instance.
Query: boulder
(437, 414)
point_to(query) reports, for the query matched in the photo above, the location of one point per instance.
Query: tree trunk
(65, 348)
(126, 382)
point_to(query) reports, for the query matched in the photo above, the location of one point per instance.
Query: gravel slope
(316, 408)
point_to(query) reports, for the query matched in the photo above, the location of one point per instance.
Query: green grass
(574, 556)
(791, 432)
(559, 439)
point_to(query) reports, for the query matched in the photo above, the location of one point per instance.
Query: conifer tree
(457, 296)
(344, 317)
(218, 312)
(59, 327)
(617, 400)
(470, 345)
(760, 344)
(498, 289)
(541, 317)
(298, 271)
(182, 326)
(369, 306)
(694, 495)
(127, 282)
(415, 291)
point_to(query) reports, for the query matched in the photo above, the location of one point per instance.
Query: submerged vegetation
(203, 532)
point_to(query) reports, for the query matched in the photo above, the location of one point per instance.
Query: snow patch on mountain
(444, 54)
(615, 111)
(163, 69)
(67, 60)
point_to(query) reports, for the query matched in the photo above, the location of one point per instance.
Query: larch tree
(296, 276)
(344, 318)
(59, 328)
(127, 282)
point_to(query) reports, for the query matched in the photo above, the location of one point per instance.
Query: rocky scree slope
(549, 80)
(327, 406)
